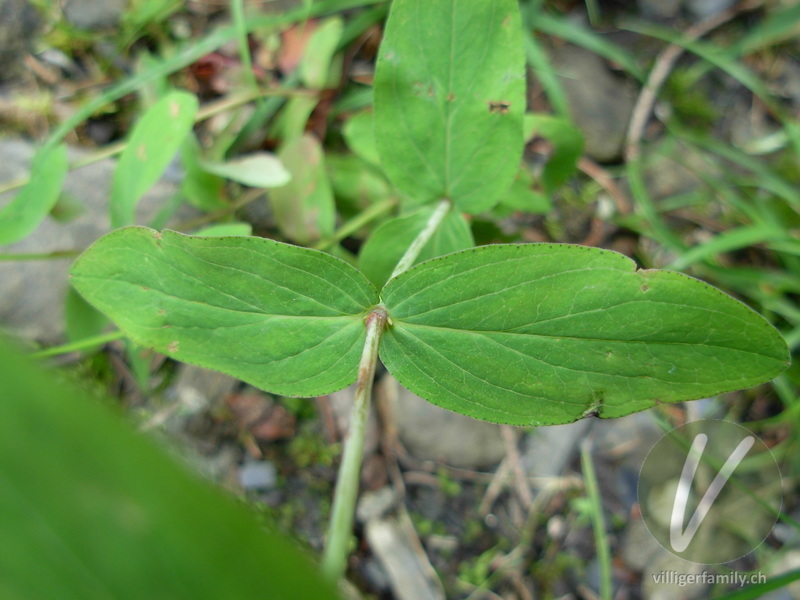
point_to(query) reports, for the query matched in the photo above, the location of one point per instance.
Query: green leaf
(155, 140)
(520, 196)
(315, 64)
(28, 209)
(201, 188)
(259, 170)
(543, 334)
(356, 183)
(391, 239)
(220, 229)
(288, 320)
(359, 133)
(100, 512)
(567, 144)
(82, 320)
(449, 100)
(304, 208)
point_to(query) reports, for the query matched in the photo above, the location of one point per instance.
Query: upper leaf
(389, 242)
(449, 100)
(155, 140)
(286, 319)
(543, 334)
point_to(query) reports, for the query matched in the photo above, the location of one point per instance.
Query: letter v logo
(680, 539)
(688, 499)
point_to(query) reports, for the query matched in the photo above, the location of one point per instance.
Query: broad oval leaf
(28, 209)
(99, 512)
(304, 208)
(288, 320)
(539, 334)
(391, 239)
(449, 100)
(155, 140)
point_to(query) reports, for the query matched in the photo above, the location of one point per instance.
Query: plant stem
(79, 345)
(598, 521)
(356, 223)
(344, 501)
(340, 529)
(423, 238)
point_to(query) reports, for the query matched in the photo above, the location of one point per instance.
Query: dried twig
(662, 67)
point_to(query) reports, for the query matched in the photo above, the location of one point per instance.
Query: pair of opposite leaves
(524, 334)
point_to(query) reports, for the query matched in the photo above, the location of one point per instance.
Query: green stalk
(423, 238)
(344, 501)
(334, 560)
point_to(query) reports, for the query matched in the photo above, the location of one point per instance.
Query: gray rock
(33, 291)
(433, 433)
(703, 9)
(195, 392)
(659, 9)
(548, 450)
(600, 102)
(638, 545)
(18, 23)
(93, 15)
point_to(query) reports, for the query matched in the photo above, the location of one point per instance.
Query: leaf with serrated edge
(288, 320)
(449, 100)
(538, 334)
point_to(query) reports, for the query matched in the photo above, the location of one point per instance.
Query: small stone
(638, 545)
(258, 475)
